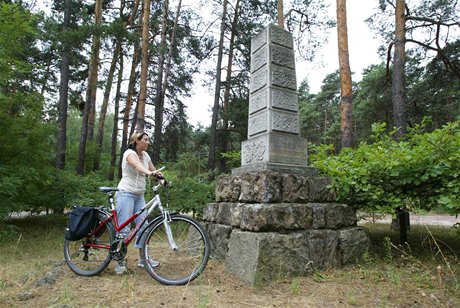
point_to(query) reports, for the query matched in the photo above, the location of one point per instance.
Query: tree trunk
(87, 127)
(113, 150)
(280, 14)
(398, 80)
(94, 71)
(104, 106)
(346, 96)
(159, 101)
(63, 93)
(215, 109)
(228, 79)
(131, 89)
(144, 67)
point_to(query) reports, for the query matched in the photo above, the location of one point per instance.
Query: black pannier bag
(81, 220)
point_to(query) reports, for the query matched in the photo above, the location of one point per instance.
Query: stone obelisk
(274, 216)
(274, 141)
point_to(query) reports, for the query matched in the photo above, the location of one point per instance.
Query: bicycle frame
(149, 207)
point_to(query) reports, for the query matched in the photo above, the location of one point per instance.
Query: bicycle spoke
(184, 264)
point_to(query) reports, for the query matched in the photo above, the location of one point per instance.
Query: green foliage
(320, 114)
(233, 159)
(422, 171)
(188, 194)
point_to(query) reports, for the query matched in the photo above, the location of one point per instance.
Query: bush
(419, 172)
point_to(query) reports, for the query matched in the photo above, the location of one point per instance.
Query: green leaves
(420, 171)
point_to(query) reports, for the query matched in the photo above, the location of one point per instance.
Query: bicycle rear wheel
(180, 265)
(86, 260)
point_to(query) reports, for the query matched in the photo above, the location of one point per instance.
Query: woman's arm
(134, 161)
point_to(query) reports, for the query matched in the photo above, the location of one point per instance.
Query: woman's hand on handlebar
(158, 175)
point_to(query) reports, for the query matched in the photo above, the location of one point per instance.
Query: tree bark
(215, 109)
(228, 79)
(104, 106)
(87, 127)
(159, 101)
(280, 14)
(346, 96)
(398, 79)
(113, 150)
(63, 93)
(144, 67)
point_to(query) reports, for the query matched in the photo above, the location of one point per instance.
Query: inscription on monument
(285, 122)
(258, 101)
(258, 59)
(284, 78)
(257, 124)
(254, 151)
(259, 41)
(282, 56)
(278, 36)
(283, 99)
(258, 80)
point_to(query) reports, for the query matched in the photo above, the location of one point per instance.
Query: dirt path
(431, 220)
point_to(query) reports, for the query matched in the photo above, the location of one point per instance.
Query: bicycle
(177, 243)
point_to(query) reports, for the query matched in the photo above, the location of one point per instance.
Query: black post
(403, 218)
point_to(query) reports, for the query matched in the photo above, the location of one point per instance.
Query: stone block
(260, 257)
(284, 121)
(275, 148)
(281, 56)
(263, 187)
(284, 99)
(283, 77)
(295, 188)
(280, 36)
(280, 217)
(319, 191)
(258, 101)
(323, 248)
(340, 216)
(259, 41)
(219, 235)
(228, 188)
(353, 243)
(221, 213)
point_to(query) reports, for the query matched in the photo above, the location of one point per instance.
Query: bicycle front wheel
(181, 261)
(91, 255)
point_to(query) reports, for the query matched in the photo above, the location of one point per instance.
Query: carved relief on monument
(283, 99)
(254, 151)
(258, 80)
(259, 41)
(284, 78)
(282, 56)
(257, 124)
(258, 59)
(258, 101)
(278, 36)
(285, 122)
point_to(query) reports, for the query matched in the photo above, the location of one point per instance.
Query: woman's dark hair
(134, 138)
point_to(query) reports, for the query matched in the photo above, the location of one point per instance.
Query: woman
(136, 165)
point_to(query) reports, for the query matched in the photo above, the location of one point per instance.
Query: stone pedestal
(269, 225)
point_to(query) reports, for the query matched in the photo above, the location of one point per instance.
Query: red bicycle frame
(113, 217)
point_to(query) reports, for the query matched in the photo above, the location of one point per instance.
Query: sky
(362, 50)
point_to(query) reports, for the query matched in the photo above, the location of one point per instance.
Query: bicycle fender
(139, 237)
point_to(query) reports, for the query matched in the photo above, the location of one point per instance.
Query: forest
(78, 77)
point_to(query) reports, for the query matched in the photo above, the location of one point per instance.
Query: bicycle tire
(90, 261)
(181, 266)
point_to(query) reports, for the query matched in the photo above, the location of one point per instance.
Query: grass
(424, 273)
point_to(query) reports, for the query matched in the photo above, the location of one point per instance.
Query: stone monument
(274, 141)
(274, 217)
